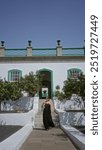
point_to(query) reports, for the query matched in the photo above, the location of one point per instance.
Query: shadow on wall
(72, 118)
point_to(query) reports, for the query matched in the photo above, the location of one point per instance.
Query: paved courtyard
(53, 139)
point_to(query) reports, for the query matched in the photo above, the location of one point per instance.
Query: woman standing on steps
(47, 118)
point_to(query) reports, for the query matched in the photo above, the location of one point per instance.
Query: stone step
(39, 116)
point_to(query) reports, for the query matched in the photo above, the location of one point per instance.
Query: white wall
(15, 141)
(66, 122)
(59, 69)
(21, 118)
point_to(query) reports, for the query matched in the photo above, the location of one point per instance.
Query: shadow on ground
(8, 130)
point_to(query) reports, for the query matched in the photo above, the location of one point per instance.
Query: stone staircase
(53, 139)
(39, 116)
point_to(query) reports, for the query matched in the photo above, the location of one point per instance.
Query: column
(29, 48)
(2, 49)
(58, 49)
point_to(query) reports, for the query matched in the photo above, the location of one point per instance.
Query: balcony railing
(44, 52)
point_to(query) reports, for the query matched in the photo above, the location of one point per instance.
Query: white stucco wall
(59, 69)
(67, 121)
(15, 141)
(21, 118)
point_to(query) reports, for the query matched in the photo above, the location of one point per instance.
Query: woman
(47, 118)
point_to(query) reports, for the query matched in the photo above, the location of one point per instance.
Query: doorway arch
(47, 83)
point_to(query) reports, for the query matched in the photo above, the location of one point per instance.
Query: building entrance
(46, 89)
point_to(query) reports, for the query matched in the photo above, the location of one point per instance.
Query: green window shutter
(74, 72)
(14, 75)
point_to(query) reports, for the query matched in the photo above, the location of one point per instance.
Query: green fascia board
(73, 48)
(43, 48)
(72, 54)
(15, 49)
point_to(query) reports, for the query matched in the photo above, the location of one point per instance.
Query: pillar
(2, 49)
(29, 48)
(58, 49)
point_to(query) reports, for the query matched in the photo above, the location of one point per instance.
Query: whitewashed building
(57, 64)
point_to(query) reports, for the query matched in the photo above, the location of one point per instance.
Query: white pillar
(2, 49)
(58, 49)
(29, 49)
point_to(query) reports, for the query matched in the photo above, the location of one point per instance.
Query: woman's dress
(47, 118)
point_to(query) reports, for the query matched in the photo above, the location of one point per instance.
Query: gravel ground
(7, 130)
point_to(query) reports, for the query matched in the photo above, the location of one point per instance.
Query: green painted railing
(44, 52)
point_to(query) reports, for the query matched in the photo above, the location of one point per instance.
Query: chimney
(2, 49)
(29, 48)
(58, 49)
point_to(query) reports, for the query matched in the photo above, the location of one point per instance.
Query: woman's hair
(47, 99)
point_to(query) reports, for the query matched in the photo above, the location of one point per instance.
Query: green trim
(44, 49)
(73, 69)
(13, 70)
(44, 69)
(72, 48)
(72, 54)
(16, 49)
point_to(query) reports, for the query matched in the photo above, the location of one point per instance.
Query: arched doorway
(47, 84)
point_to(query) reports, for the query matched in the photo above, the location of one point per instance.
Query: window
(14, 75)
(74, 73)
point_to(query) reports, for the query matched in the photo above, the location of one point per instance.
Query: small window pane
(14, 75)
(74, 73)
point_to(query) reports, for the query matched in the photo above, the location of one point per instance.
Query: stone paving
(53, 139)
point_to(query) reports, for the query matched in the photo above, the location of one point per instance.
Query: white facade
(59, 70)
(54, 63)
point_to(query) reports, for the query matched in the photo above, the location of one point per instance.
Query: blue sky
(43, 22)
